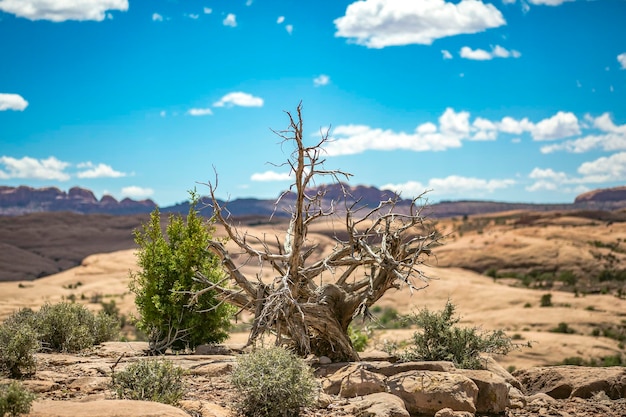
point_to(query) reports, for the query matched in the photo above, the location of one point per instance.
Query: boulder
(562, 382)
(353, 380)
(380, 404)
(362, 382)
(426, 392)
(448, 412)
(490, 364)
(493, 390)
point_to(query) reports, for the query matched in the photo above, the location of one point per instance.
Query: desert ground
(498, 243)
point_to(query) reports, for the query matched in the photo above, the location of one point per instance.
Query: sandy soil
(481, 302)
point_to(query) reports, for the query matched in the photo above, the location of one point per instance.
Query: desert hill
(44, 231)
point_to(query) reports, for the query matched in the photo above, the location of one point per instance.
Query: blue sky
(511, 100)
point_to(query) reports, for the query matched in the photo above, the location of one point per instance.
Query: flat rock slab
(562, 382)
(104, 408)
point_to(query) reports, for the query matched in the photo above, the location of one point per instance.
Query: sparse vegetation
(564, 328)
(71, 327)
(165, 285)
(15, 400)
(611, 360)
(440, 339)
(273, 382)
(546, 300)
(19, 341)
(359, 337)
(150, 380)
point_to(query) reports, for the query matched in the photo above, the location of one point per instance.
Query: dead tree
(383, 250)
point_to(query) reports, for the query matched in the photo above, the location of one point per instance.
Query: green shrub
(19, 342)
(563, 328)
(605, 361)
(546, 300)
(166, 280)
(70, 327)
(15, 400)
(273, 382)
(358, 337)
(150, 380)
(441, 340)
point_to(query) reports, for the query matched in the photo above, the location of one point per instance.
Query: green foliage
(273, 382)
(358, 337)
(440, 339)
(611, 360)
(70, 327)
(388, 318)
(19, 342)
(546, 300)
(563, 327)
(164, 284)
(15, 400)
(150, 380)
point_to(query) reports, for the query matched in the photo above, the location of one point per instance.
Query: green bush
(70, 327)
(19, 341)
(563, 328)
(546, 300)
(273, 382)
(164, 285)
(15, 400)
(441, 340)
(150, 380)
(358, 337)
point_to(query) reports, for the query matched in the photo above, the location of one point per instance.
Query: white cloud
(610, 168)
(135, 192)
(451, 185)
(31, 168)
(280, 19)
(289, 29)
(561, 125)
(270, 176)
(485, 129)
(230, 20)
(199, 112)
(12, 102)
(157, 17)
(482, 55)
(193, 16)
(476, 55)
(239, 98)
(163, 113)
(321, 80)
(601, 170)
(454, 124)
(355, 139)
(98, 171)
(517, 127)
(207, 10)
(61, 10)
(621, 58)
(446, 54)
(249, 2)
(381, 23)
(547, 2)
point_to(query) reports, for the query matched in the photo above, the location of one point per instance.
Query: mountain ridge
(24, 200)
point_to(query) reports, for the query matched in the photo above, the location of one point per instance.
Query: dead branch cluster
(383, 250)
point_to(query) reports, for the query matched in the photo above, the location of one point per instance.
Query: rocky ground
(80, 386)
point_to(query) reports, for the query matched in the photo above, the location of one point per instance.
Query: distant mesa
(603, 195)
(24, 200)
